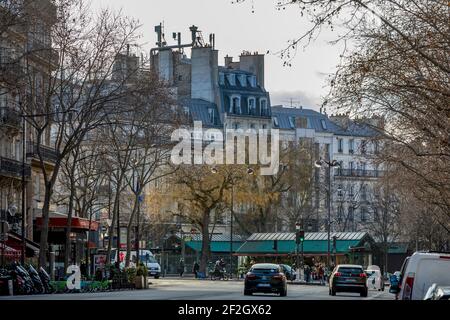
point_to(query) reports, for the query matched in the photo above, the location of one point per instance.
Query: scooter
(45, 278)
(39, 287)
(28, 286)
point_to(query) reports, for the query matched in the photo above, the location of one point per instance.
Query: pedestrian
(195, 269)
(321, 274)
(181, 267)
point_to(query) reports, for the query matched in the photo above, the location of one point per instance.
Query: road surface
(186, 289)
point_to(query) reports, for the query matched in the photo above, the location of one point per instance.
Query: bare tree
(65, 97)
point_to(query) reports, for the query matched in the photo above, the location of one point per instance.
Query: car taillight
(251, 277)
(408, 289)
(278, 277)
(362, 275)
(338, 274)
(444, 257)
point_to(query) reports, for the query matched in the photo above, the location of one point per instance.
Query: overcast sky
(238, 29)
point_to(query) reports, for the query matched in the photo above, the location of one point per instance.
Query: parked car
(420, 271)
(375, 279)
(436, 292)
(348, 278)
(265, 278)
(290, 273)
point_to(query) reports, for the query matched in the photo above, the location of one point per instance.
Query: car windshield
(148, 259)
(288, 269)
(350, 270)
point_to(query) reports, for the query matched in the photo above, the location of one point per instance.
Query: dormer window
(243, 80)
(324, 124)
(212, 115)
(292, 122)
(275, 122)
(252, 80)
(231, 79)
(252, 106)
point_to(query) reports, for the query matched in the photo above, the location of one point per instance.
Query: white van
(146, 256)
(375, 280)
(421, 271)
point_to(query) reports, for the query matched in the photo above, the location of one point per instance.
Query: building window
(263, 105)
(351, 146)
(243, 80)
(376, 147)
(252, 126)
(212, 115)
(302, 122)
(350, 213)
(231, 79)
(252, 80)
(264, 126)
(363, 214)
(236, 125)
(252, 106)
(275, 122)
(292, 122)
(324, 124)
(235, 105)
(363, 147)
(340, 216)
(340, 145)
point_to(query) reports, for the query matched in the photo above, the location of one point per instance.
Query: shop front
(83, 239)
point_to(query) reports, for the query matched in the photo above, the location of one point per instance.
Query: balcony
(13, 169)
(48, 154)
(10, 119)
(358, 173)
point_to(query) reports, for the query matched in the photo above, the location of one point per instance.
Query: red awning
(77, 223)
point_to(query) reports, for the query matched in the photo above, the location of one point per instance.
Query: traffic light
(302, 235)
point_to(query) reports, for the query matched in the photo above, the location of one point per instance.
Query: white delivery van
(421, 271)
(375, 280)
(146, 257)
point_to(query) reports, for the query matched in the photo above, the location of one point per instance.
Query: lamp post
(251, 172)
(330, 164)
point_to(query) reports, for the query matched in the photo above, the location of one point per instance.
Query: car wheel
(283, 293)
(156, 277)
(247, 293)
(364, 293)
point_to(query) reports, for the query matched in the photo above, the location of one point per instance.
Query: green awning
(286, 247)
(215, 246)
(398, 249)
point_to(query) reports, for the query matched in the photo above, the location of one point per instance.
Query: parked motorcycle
(45, 278)
(24, 282)
(37, 282)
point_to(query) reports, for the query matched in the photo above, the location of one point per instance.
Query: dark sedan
(289, 272)
(265, 278)
(348, 278)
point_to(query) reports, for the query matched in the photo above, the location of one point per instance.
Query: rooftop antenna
(294, 103)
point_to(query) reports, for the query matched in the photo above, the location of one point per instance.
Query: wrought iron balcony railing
(358, 173)
(48, 154)
(10, 118)
(12, 168)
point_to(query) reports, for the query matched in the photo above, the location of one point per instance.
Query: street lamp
(330, 164)
(250, 171)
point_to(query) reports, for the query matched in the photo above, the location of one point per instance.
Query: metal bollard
(10, 288)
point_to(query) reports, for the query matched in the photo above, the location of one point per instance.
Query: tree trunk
(44, 230)
(130, 224)
(205, 253)
(67, 251)
(113, 222)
